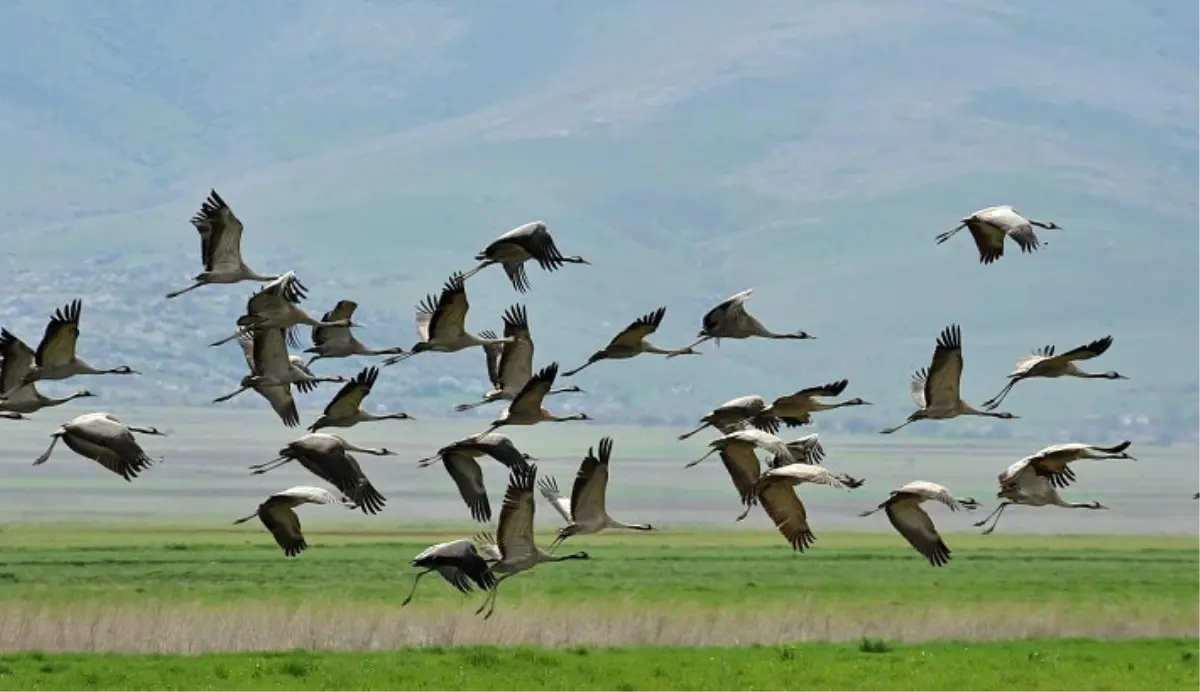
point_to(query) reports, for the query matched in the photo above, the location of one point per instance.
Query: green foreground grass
(200, 589)
(867, 665)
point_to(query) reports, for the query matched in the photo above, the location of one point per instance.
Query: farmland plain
(106, 584)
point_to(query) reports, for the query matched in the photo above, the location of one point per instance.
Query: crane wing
(515, 530)
(912, 522)
(639, 329)
(468, 477)
(349, 398)
(57, 346)
(284, 525)
(591, 484)
(222, 249)
(18, 359)
(548, 486)
(245, 341)
(449, 319)
(945, 370)
(307, 493)
(281, 401)
(344, 310)
(743, 467)
(989, 240)
(531, 395)
(491, 353)
(271, 354)
(783, 506)
(516, 357)
(1087, 351)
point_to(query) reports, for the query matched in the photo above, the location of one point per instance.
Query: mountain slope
(689, 150)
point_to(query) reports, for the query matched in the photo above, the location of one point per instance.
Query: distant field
(220, 588)
(203, 476)
(865, 665)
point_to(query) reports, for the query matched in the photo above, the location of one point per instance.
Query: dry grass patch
(198, 628)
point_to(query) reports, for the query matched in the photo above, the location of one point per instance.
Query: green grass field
(868, 665)
(663, 588)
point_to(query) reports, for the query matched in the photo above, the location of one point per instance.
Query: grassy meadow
(156, 589)
(214, 588)
(865, 665)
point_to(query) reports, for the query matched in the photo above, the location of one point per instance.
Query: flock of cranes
(267, 330)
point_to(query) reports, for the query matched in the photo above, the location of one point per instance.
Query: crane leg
(270, 465)
(416, 580)
(490, 601)
(690, 464)
(686, 435)
(46, 454)
(889, 431)
(229, 396)
(995, 513)
(175, 294)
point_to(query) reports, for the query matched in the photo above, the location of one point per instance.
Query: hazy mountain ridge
(690, 151)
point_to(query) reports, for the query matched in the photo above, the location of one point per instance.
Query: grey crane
(736, 414)
(632, 341)
(458, 562)
(17, 359)
(742, 464)
(518, 551)
(530, 241)
(339, 341)
(1034, 481)
(328, 457)
(935, 390)
(903, 508)
(441, 324)
(806, 449)
(103, 438)
(459, 459)
(273, 371)
(1043, 363)
(278, 514)
(749, 438)
(585, 511)
(775, 490)
(220, 247)
(510, 365)
(55, 357)
(526, 407)
(277, 305)
(730, 320)
(796, 409)
(990, 226)
(345, 409)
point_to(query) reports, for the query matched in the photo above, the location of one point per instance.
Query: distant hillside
(689, 150)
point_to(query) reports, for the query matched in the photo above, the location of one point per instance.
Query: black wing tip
(606, 445)
(368, 499)
(455, 283)
(836, 388)
(515, 317)
(367, 376)
(950, 337)
(68, 313)
(655, 317)
(429, 304)
(548, 373)
(521, 477)
(938, 555)
(1099, 346)
(803, 540)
